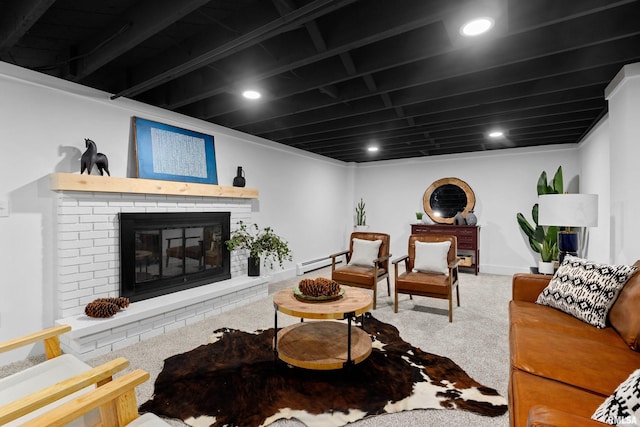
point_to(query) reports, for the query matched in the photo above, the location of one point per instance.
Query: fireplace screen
(168, 252)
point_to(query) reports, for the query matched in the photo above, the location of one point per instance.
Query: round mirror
(446, 197)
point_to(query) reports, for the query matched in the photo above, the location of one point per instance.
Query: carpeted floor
(477, 341)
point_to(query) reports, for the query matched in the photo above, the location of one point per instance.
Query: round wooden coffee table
(323, 344)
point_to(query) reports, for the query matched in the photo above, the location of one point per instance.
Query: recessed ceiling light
(251, 94)
(496, 134)
(373, 148)
(476, 27)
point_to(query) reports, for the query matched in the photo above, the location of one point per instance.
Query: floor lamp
(568, 210)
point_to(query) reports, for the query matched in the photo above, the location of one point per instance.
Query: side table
(323, 344)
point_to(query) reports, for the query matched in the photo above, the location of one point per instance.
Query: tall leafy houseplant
(261, 243)
(543, 240)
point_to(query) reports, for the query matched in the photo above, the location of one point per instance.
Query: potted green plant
(361, 217)
(419, 216)
(543, 240)
(548, 254)
(260, 243)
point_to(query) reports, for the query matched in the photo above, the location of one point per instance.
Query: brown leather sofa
(562, 368)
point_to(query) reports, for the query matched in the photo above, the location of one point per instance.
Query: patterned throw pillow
(585, 290)
(622, 408)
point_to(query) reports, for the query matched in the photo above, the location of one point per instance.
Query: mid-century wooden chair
(435, 277)
(364, 273)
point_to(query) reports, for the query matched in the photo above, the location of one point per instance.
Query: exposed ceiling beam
(345, 37)
(418, 97)
(136, 25)
(17, 18)
(458, 108)
(298, 17)
(510, 50)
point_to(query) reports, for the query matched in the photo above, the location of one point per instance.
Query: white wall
(504, 183)
(307, 199)
(43, 123)
(595, 179)
(623, 94)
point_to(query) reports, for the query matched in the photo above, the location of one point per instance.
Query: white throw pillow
(431, 257)
(364, 252)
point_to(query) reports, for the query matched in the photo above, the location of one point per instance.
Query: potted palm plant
(543, 240)
(260, 243)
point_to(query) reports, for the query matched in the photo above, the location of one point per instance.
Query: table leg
(275, 334)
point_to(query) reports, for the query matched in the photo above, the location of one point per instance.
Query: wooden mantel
(108, 184)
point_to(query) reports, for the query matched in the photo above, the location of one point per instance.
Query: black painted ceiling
(337, 76)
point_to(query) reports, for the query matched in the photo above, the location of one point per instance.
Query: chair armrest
(116, 400)
(455, 263)
(48, 336)
(382, 258)
(29, 403)
(397, 260)
(333, 256)
(527, 287)
(543, 416)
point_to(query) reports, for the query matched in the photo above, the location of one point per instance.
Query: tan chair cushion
(624, 316)
(421, 282)
(356, 274)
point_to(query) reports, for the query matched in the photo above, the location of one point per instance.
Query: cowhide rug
(234, 381)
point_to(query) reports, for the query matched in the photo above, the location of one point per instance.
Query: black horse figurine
(91, 157)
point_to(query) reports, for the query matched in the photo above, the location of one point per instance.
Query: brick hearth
(88, 268)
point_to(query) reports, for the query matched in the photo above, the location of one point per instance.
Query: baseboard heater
(307, 266)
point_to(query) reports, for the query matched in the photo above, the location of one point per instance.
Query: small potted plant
(419, 216)
(261, 243)
(548, 254)
(361, 217)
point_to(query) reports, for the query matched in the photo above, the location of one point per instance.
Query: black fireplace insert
(161, 253)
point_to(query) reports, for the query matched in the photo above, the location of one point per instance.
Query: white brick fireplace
(88, 265)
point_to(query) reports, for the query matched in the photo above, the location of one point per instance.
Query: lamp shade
(568, 210)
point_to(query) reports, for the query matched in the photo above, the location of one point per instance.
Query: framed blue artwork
(173, 154)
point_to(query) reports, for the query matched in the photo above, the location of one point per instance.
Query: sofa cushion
(585, 289)
(584, 363)
(364, 252)
(623, 405)
(544, 416)
(528, 390)
(550, 319)
(431, 257)
(625, 315)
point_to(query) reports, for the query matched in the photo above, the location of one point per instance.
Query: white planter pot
(545, 267)
(361, 227)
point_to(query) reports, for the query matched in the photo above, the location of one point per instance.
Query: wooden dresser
(468, 239)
